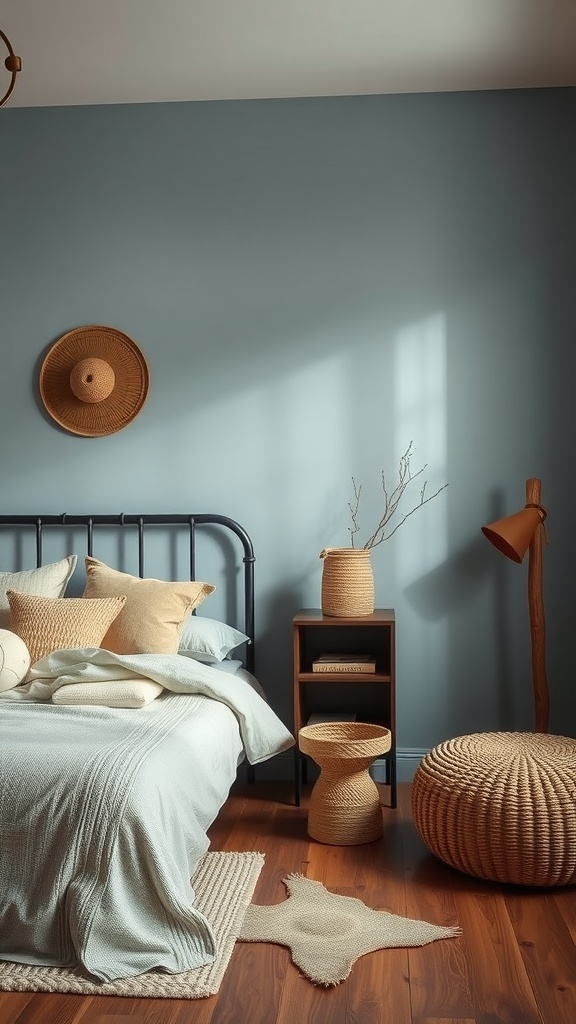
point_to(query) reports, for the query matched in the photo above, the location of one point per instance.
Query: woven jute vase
(347, 582)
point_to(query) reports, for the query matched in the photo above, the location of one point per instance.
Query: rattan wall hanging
(94, 381)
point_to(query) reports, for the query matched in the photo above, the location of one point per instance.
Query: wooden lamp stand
(513, 536)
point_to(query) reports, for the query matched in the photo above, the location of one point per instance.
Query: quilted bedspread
(104, 811)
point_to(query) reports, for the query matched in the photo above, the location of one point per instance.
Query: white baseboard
(407, 761)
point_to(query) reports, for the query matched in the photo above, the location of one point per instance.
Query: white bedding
(104, 811)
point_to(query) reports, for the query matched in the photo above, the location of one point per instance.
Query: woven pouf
(345, 802)
(501, 806)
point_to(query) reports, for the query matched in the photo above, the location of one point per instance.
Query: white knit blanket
(263, 734)
(104, 811)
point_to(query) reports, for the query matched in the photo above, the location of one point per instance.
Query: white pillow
(117, 693)
(208, 640)
(47, 581)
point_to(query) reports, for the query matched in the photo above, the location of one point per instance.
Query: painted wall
(315, 283)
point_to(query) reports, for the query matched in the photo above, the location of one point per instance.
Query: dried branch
(392, 501)
(354, 511)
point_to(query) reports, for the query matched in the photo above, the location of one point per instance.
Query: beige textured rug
(327, 933)
(224, 884)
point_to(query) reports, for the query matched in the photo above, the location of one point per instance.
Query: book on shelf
(344, 663)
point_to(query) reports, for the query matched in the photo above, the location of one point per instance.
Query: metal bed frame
(191, 521)
(40, 522)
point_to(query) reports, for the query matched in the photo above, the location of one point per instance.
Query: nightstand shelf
(366, 696)
(335, 677)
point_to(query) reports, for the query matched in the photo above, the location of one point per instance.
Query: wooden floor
(515, 962)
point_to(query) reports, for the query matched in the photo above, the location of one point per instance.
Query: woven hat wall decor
(94, 381)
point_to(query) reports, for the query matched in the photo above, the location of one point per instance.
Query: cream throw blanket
(104, 811)
(263, 734)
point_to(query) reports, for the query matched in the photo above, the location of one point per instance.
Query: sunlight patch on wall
(421, 417)
(422, 543)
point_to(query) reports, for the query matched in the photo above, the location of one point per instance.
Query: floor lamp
(513, 536)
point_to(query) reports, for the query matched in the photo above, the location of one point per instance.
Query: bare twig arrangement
(392, 500)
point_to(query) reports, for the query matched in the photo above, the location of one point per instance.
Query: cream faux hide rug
(224, 884)
(327, 933)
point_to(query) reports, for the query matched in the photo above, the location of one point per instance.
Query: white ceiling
(134, 51)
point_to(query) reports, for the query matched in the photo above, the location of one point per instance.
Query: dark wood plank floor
(515, 962)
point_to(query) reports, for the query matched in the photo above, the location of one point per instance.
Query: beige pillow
(150, 621)
(47, 581)
(48, 624)
(116, 693)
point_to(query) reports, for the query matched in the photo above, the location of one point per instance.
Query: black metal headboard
(40, 523)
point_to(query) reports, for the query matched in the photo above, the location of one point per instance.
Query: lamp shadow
(456, 583)
(451, 584)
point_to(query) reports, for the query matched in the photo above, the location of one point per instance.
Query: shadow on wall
(274, 651)
(453, 586)
(436, 594)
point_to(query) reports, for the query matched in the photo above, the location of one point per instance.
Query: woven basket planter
(345, 801)
(347, 582)
(501, 806)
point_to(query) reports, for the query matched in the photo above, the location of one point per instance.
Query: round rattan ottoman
(345, 803)
(501, 806)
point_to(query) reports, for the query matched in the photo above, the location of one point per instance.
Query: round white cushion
(14, 659)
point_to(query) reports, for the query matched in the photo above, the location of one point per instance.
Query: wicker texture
(94, 380)
(501, 806)
(345, 802)
(347, 582)
(48, 624)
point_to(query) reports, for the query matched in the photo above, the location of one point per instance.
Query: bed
(117, 754)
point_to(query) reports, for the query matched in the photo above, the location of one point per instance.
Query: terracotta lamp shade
(512, 535)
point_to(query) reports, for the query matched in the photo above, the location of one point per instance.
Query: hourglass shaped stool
(345, 802)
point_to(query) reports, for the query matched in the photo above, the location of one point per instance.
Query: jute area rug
(327, 933)
(224, 884)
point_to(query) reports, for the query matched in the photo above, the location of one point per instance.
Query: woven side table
(345, 802)
(501, 806)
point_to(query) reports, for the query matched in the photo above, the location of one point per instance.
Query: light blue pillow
(208, 640)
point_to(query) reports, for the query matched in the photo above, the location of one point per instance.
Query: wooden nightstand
(360, 696)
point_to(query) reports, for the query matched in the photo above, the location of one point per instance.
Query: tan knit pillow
(48, 624)
(150, 621)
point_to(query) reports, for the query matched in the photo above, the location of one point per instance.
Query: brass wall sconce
(13, 64)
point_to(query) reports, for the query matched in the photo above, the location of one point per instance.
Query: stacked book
(349, 663)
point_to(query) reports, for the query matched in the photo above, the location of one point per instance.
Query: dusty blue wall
(315, 283)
